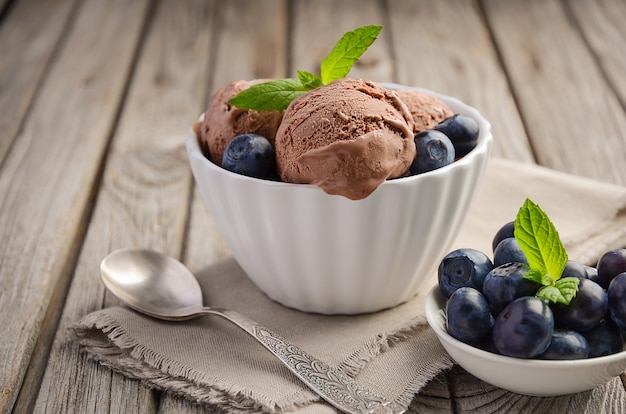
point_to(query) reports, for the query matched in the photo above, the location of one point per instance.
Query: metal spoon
(162, 287)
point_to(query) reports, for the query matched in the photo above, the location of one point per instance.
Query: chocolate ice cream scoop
(347, 137)
(427, 111)
(222, 121)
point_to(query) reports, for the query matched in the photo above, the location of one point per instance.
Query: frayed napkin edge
(121, 353)
(387, 340)
(130, 358)
(380, 343)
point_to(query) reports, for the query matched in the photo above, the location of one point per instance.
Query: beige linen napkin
(393, 352)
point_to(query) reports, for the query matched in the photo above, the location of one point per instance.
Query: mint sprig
(540, 242)
(346, 52)
(278, 94)
(269, 96)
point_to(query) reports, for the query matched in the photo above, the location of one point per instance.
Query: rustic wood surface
(96, 98)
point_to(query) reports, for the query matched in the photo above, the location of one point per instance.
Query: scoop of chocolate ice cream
(223, 122)
(427, 111)
(347, 137)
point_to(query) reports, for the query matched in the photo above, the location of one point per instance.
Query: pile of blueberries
(493, 307)
(253, 155)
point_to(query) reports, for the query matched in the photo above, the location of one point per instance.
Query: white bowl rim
(432, 309)
(483, 144)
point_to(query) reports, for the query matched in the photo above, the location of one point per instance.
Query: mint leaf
(562, 291)
(309, 80)
(278, 94)
(346, 52)
(540, 242)
(535, 276)
(568, 286)
(269, 96)
(551, 293)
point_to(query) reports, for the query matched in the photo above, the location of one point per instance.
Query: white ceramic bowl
(327, 254)
(523, 376)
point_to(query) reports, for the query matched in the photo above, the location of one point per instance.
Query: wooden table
(96, 98)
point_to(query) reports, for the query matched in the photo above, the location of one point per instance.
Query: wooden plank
(251, 45)
(44, 207)
(445, 46)
(475, 396)
(143, 200)
(573, 117)
(434, 397)
(602, 25)
(29, 33)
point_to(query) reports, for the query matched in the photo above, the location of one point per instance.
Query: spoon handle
(332, 385)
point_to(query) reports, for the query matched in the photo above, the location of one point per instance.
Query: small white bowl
(327, 254)
(524, 376)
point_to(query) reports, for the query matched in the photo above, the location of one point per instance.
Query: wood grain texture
(602, 25)
(434, 398)
(251, 45)
(28, 37)
(475, 396)
(315, 33)
(142, 201)
(97, 97)
(574, 120)
(446, 47)
(43, 208)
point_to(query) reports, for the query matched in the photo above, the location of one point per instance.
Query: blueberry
(487, 344)
(467, 316)
(604, 339)
(462, 130)
(574, 269)
(505, 283)
(508, 250)
(617, 300)
(585, 310)
(610, 265)
(566, 345)
(504, 232)
(592, 273)
(524, 328)
(252, 155)
(463, 267)
(433, 150)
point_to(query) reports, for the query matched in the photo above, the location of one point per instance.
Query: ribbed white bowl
(534, 377)
(327, 254)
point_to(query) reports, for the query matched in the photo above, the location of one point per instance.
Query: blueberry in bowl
(251, 155)
(533, 376)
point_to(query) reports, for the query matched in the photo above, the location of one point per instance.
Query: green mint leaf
(568, 286)
(550, 293)
(563, 290)
(274, 95)
(534, 276)
(546, 255)
(540, 242)
(347, 51)
(309, 80)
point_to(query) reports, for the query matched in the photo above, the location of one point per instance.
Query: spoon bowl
(152, 283)
(162, 287)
